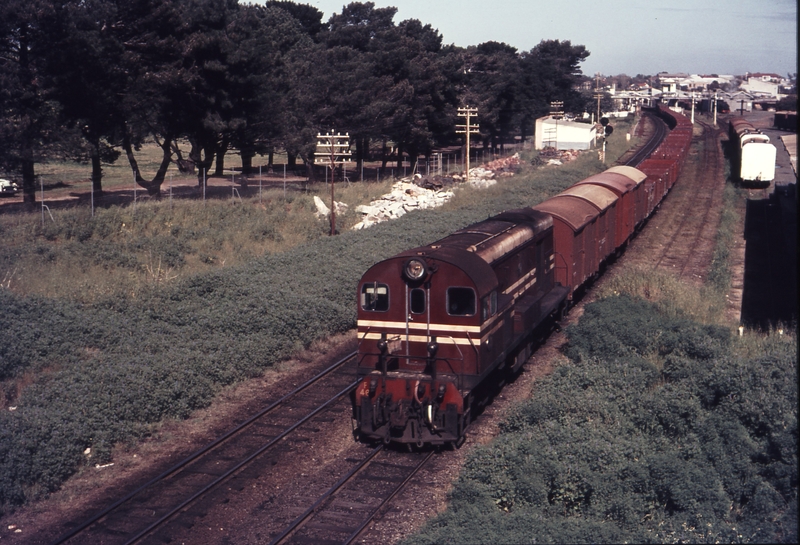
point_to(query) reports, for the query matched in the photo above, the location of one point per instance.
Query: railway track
(167, 508)
(343, 512)
(689, 249)
(681, 241)
(168, 496)
(660, 131)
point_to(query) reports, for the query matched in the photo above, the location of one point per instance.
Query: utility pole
(557, 112)
(692, 107)
(715, 108)
(331, 151)
(467, 128)
(597, 94)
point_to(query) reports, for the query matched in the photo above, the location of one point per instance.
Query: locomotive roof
(573, 211)
(597, 195)
(475, 248)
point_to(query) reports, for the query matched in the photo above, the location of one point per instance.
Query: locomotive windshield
(375, 297)
(460, 302)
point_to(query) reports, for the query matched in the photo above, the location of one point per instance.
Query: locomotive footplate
(405, 421)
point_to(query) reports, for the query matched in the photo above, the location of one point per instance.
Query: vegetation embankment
(674, 431)
(86, 371)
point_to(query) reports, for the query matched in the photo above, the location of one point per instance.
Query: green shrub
(610, 448)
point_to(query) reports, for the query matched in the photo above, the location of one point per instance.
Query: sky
(623, 36)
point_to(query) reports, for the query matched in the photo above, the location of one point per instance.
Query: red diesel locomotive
(434, 322)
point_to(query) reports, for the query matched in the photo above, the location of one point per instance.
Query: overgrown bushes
(657, 430)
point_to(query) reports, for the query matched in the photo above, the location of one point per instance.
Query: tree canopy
(94, 79)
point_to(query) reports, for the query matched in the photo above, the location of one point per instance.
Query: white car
(7, 187)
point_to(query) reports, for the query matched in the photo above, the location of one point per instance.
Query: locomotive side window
(417, 301)
(489, 307)
(375, 297)
(460, 301)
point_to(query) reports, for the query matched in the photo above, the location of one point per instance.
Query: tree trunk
(384, 155)
(221, 149)
(97, 174)
(185, 166)
(311, 171)
(359, 154)
(28, 181)
(153, 186)
(97, 168)
(247, 162)
(202, 157)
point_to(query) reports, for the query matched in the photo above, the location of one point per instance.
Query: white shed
(562, 134)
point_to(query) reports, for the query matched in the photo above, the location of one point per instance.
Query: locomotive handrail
(459, 375)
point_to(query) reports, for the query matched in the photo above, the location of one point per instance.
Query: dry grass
(129, 247)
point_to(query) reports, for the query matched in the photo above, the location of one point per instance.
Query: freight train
(441, 325)
(753, 157)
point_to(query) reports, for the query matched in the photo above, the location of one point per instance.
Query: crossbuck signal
(332, 150)
(467, 128)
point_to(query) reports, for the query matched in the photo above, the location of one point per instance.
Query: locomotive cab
(419, 325)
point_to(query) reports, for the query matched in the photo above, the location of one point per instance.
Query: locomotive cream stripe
(421, 339)
(438, 328)
(421, 326)
(522, 280)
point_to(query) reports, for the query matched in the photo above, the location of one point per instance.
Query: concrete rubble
(419, 193)
(552, 156)
(323, 211)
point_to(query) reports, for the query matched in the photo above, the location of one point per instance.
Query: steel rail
(661, 131)
(332, 490)
(709, 150)
(394, 493)
(186, 461)
(241, 464)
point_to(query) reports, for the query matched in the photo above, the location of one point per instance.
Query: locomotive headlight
(415, 269)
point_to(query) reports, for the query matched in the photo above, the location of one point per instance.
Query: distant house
(740, 101)
(670, 83)
(562, 134)
(765, 84)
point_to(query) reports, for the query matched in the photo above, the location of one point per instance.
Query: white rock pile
(407, 194)
(404, 197)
